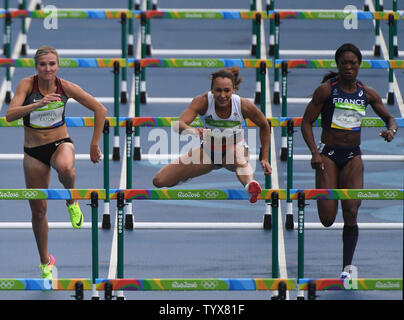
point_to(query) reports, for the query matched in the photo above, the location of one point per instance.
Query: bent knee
(161, 182)
(327, 223)
(38, 211)
(66, 171)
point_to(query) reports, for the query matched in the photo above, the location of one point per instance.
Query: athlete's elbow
(10, 117)
(157, 182)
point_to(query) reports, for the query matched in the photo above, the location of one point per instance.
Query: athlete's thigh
(327, 179)
(37, 176)
(63, 157)
(187, 166)
(351, 177)
(237, 158)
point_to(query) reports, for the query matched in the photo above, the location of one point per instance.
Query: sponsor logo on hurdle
(387, 285)
(365, 195)
(193, 63)
(9, 195)
(191, 15)
(189, 194)
(184, 285)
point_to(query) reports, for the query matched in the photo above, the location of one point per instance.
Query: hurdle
(120, 283)
(311, 285)
(115, 63)
(122, 14)
(129, 123)
(287, 64)
(368, 6)
(291, 123)
(255, 16)
(391, 17)
(78, 285)
(273, 283)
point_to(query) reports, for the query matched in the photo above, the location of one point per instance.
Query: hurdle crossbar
(201, 63)
(200, 194)
(369, 122)
(352, 284)
(180, 284)
(200, 14)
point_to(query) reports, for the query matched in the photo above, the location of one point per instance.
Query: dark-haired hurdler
(341, 100)
(222, 143)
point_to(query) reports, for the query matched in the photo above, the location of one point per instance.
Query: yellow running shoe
(47, 268)
(76, 216)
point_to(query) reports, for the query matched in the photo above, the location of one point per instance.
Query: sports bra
(47, 117)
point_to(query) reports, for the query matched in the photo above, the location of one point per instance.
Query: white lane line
(113, 261)
(283, 272)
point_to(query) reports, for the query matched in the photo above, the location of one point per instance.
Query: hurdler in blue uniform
(342, 100)
(343, 112)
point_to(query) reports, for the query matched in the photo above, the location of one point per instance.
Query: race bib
(347, 116)
(48, 116)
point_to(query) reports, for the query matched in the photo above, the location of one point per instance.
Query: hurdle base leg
(390, 98)
(108, 291)
(130, 50)
(376, 51)
(281, 292)
(257, 99)
(137, 155)
(284, 154)
(143, 97)
(311, 293)
(78, 289)
(129, 221)
(276, 98)
(7, 99)
(124, 97)
(271, 50)
(289, 224)
(267, 222)
(106, 221)
(115, 154)
(23, 51)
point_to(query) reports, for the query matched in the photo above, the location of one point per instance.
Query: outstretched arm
(251, 112)
(197, 106)
(311, 114)
(87, 100)
(377, 104)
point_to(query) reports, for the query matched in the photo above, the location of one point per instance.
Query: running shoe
(76, 216)
(253, 189)
(47, 268)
